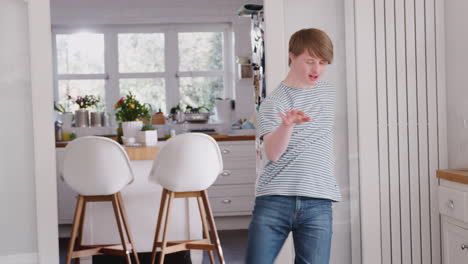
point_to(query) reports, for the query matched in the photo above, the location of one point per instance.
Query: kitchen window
(162, 65)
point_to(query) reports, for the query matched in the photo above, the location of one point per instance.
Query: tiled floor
(233, 242)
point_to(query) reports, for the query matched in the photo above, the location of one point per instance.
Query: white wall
(328, 16)
(456, 43)
(89, 12)
(18, 232)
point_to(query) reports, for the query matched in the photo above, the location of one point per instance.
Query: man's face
(307, 68)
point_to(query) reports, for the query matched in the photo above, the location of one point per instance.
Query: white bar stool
(185, 167)
(98, 168)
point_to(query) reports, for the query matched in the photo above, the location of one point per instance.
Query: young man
(296, 189)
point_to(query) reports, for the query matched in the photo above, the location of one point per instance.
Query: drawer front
(236, 176)
(452, 203)
(236, 151)
(455, 244)
(231, 190)
(230, 205)
(239, 163)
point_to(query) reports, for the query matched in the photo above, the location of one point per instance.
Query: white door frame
(43, 135)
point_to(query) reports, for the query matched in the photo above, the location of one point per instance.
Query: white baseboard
(27, 258)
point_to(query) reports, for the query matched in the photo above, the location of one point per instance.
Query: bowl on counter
(197, 117)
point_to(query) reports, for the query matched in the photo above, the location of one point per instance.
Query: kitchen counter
(454, 175)
(148, 153)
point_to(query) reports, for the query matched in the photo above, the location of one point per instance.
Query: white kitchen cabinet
(453, 207)
(233, 193)
(454, 242)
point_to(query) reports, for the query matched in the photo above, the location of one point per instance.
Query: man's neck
(292, 81)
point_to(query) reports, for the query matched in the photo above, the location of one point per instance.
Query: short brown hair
(315, 41)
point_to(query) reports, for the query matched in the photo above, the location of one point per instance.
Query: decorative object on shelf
(119, 133)
(67, 119)
(131, 128)
(130, 112)
(105, 119)
(58, 131)
(96, 119)
(66, 136)
(177, 114)
(65, 116)
(82, 115)
(87, 101)
(245, 67)
(194, 114)
(158, 118)
(148, 135)
(81, 118)
(223, 110)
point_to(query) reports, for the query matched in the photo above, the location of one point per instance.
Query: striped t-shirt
(306, 168)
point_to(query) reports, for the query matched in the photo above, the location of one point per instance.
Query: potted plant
(176, 114)
(196, 115)
(130, 111)
(82, 114)
(148, 135)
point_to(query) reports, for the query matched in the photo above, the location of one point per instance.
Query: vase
(81, 118)
(96, 119)
(148, 137)
(131, 128)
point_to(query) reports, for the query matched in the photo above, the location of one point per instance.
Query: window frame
(171, 74)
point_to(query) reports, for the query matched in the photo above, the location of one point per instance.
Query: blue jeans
(275, 216)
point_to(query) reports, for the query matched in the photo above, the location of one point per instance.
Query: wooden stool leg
(166, 224)
(206, 233)
(80, 229)
(75, 227)
(213, 227)
(126, 225)
(118, 218)
(162, 205)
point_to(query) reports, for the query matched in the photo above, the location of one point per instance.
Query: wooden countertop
(454, 175)
(149, 153)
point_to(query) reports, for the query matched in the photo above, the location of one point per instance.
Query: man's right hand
(290, 118)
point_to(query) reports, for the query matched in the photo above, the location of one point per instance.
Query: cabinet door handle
(464, 246)
(226, 151)
(451, 204)
(226, 173)
(227, 201)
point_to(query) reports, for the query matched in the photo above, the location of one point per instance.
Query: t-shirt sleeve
(268, 118)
